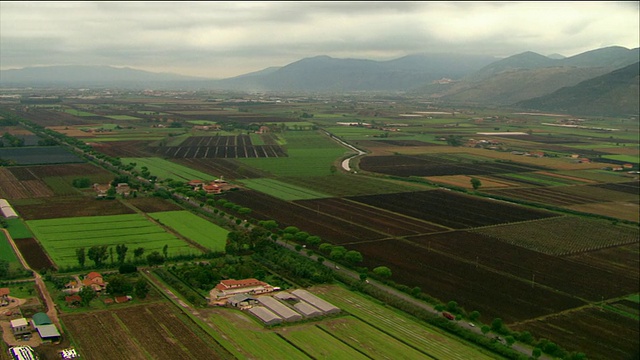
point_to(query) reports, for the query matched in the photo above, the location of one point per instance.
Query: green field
(628, 158)
(6, 251)
(194, 228)
(321, 345)
(79, 112)
(122, 117)
(282, 190)
(309, 154)
(61, 237)
(164, 169)
(426, 339)
(17, 229)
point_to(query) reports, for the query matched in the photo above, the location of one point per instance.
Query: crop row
(281, 189)
(194, 228)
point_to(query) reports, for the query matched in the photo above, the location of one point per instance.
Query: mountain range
(449, 78)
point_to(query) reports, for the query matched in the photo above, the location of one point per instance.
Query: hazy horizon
(226, 39)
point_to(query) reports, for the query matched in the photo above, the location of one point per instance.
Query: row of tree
(100, 253)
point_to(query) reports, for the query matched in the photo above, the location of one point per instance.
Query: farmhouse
(4, 295)
(95, 281)
(228, 288)
(123, 189)
(101, 190)
(6, 210)
(20, 327)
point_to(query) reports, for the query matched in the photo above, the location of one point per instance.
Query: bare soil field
(33, 254)
(451, 209)
(330, 228)
(139, 332)
(385, 222)
(12, 187)
(473, 287)
(602, 335)
(464, 181)
(631, 187)
(80, 170)
(627, 210)
(401, 165)
(70, 206)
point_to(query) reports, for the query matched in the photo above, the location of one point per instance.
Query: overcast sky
(224, 39)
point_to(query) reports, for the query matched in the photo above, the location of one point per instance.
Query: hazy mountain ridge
(529, 75)
(614, 93)
(468, 79)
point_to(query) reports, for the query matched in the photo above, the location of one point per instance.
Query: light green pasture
(164, 169)
(194, 228)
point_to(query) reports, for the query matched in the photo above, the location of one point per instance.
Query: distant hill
(324, 73)
(91, 76)
(615, 93)
(528, 75)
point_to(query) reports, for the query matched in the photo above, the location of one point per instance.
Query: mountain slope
(615, 93)
(529, 75)
(324, 73)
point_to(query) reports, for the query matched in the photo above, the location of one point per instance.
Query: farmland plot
(194, 228)
(69, 206)
(227, 168)
(453, 210)
(164, 169)
(39, 155)
(212, 147)
(61, 237)
(560, 273)
(329, 227)
(600, 334)
(33, 254)
(563, 235)
(11, 187)
(151, 331)
(447, 277)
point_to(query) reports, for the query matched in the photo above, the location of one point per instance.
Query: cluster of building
(283, 306)
(40, 323)
(213, 187)
(102, 190)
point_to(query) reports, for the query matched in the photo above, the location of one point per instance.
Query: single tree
(353, 256)
(382, 271)
(137, 253)
(98, 254)
(119, 285)
(81, 256)
(155, 258)
(474, 315)
(165, 251)
(86, 295)
(475, 183)
(141, 288)
(121, 250)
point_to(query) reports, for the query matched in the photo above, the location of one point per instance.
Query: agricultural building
(123, 189)
(306, 309)
(6, 210)
(45, 328)
(228, 288)
(324, 306)
(73, 300)
(20, 327)
(286, 313)
(22, 353)
(266, 315)
(242, 301)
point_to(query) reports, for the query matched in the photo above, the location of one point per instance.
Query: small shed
(4, 294)
(73, 300)
(242, 300)
(307, 310)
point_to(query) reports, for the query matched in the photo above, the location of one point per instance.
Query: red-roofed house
(122, 299)
(227, 288)
(95, 281)
(4, 295)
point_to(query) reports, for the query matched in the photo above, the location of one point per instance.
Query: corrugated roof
(315, 301)
(48, 331)
(277, 307)
(266, 315)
